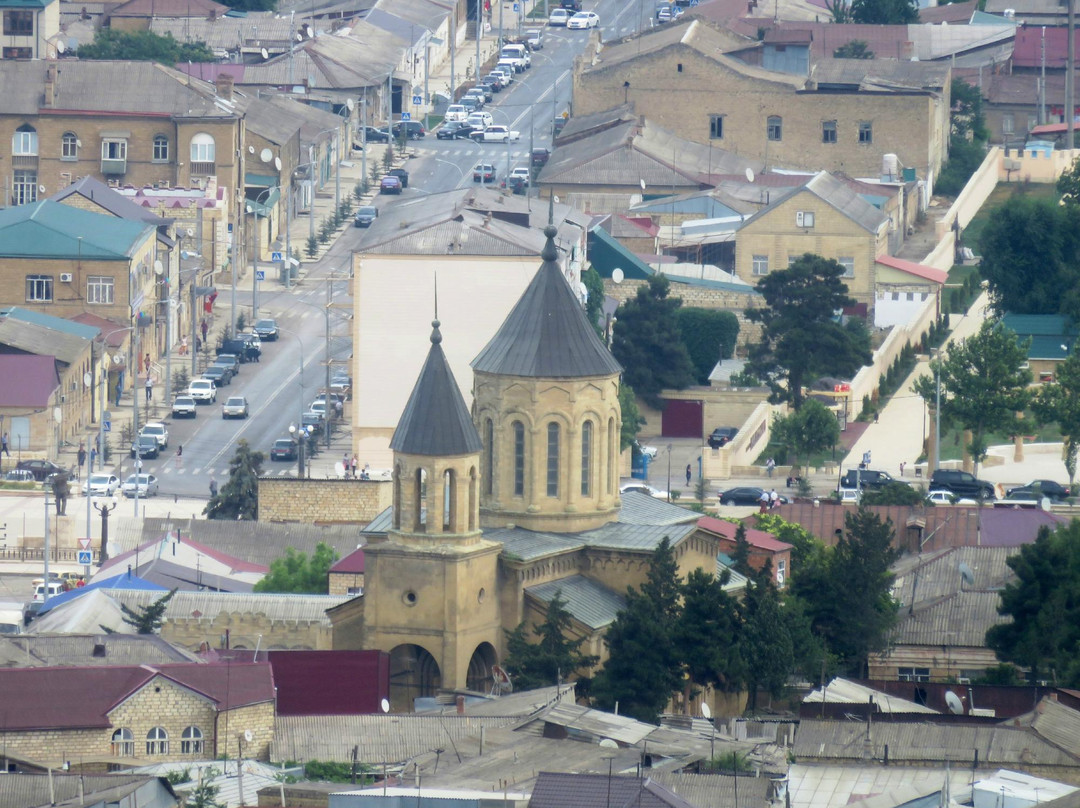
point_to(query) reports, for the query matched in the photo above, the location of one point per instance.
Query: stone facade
(258, 719)
(346, 583)
(245, 630)
(323, 502)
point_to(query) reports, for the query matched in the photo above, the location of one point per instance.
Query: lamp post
(104, 508)
(300, 434)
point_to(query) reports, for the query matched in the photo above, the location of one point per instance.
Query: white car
(184, 407)
(101, 485)
(480, 120)
(521, 172)
(203, 391)
(642, 488)
(943, 497)
(159, 431)
(559, 17)
(583, 19)
(147, 485)
(456, 112)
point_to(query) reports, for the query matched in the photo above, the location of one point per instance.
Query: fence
(68, 554)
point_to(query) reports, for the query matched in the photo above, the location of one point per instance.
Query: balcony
(24, 161)
(113, 167)
(203, 169)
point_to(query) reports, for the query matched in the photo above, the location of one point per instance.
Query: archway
(479, 676)
(414, 674)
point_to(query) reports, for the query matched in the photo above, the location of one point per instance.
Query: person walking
(183, 346)
(4, 445)
(770, 466)
(689, 474)
(146, 364)
(763, 502)
(149, 388)
(93, 457)
(81, 457)
(774, 499)
(204, 327)
(355, 464)
(213, 487)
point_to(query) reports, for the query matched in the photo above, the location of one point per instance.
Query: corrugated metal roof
(38, 650)
(27, 790)
(546, 334)
(831, 786)
(930, 576)
(588, 601)
(38, 378)
(563, 789)
(599, 724)
(436, 422)
(837, 193)
(224, 33)
(41, 340)
(882, 73)
(960, 619)
(56, 231)
(642, 509)
(1058, 724)
(716, 790)
(275, 607)
(107, 199)
(618, 535)
(843, 691)
(528, 545)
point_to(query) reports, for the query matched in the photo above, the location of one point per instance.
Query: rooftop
(38, 379)
(52, 230)
(53, 650)
(589, 602)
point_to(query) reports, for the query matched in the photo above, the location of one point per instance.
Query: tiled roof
(38, 378)
(436, 422)
(546, 334)
(53, 650)
(52, 230)
(912, 268)
(642, 509)
(756, 538)
(588, 601)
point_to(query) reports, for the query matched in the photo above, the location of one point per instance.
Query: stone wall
(255, 718)
(323, 502)
(342, 582)
(248, 630)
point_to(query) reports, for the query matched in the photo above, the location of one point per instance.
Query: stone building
(28, 27)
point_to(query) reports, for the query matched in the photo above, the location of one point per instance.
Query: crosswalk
(171, 469)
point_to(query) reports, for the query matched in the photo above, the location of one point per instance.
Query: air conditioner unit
(804, 218)
(66, 277)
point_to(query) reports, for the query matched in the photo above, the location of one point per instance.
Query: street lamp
(104, 508)
(300, 434)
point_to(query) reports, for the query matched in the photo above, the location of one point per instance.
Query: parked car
(145, 446)
(571, 5)
(961, 483)
(39, 468)
(745, 495)
(158, 430)
(455, 113)
(266, 329)
(488, 93)
(252, 347)
(414, 130)
(506, 72)
(483, 172)
(218, 374)
(722, 436)
(583, 19)
(1056, 492)
(642, 488)
(312, 418)
(943, 497)
(283, 449)
(184, 407)
(477, 95)
(865, 478)
(55, 588)
(471, 103)
(480, 120)
(145, 484)
(539, 157)
(203, 391)
(457, 130)
(235, 407)
(494, 82)
(496, 134)
(101, 485)
(401, 174)
(232, 357)
(390, 185)
(372, 134)
(558, 16)
(534, 37)
(365, 216)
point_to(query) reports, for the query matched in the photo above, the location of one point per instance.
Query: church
(497, 511)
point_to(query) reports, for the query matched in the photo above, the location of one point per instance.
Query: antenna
(435, 280)
(956, 706)
(966, 575)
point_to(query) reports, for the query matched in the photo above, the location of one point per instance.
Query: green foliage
(181, 378)
(983, 385)
(631, 416)
(1044, 604)
(967, 119)
(312, 248)
(298, 574)
(594, 301)
(1059, 403)
(884, 12)
(839, 10)
(800, 338)
(553, 657)
(326, 230)
(241, 322)
(344, 210)
(804, 544)
(1068, 184)
(238, 498)
(647, 342)
(388, 157)
(766, 641)
(855, 49)
(204, 796)
(179, 776)
(967, 143)
(1004, 675)
(707, 632)
(709, 336)
(740, 557)
(729, 763)
(894, 493)
(812, 428)
(375, 173)
(147, 619)
(143, 46)
(965, 156)
(332, 771)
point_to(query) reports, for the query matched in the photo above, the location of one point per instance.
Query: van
(55, 588)
(865, 478)
(518, 55)
(11, 618)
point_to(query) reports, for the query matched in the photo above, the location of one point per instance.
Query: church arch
(479, 676)
(414, 674)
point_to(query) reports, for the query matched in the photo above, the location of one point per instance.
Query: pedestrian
(339, 408)
(875, 416)
(355, 463)
(81, 456)
(366, 473)
(4, 445)
(902, 464)
(118, 393)
(93, 457)
(345, 464)
(146, 364)
(213, 486)
(183, 346)
(149, 388)
(204, 327)
(689, 473)
(774, 499)
(763, 501)
(180, 450)
(770, 466)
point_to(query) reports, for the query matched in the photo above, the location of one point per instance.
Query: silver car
(146, 484)
(101, 485)
(235, 407)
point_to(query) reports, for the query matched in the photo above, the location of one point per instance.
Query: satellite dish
(41, 189)
(265, 55)
(956, 707)
(607, 743)
(555, 199)
(190, 232)
(251, 149)
(87, 380)
(385, 705)
(57, 414)
(60, 47)
(266, 155)
(277, 163)
(248, 736)
(617, 275)
(749, 174)
(307, 30)
(159, 269)
(642, 184)
(706, 710)
(352, 104)
(966, 575)
(299, 37)
(118, 359)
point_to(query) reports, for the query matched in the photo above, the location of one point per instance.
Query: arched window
(397, 497)
(472, 498)
(123, 743)
(202, 148)
(489, 456)
(69, 146)
(775, 128)
(419, 495)
(553, 459)
(161, 149)
(519, 459)
(157, 741)
(24, 143)
(586, 458)
(610, 476)
(191, 742)
(449, 500)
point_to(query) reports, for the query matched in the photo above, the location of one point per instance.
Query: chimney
(224, 85)
(50, 85)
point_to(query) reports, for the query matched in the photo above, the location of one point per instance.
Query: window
(18, 23)
(611, 455)
(775, 129)
(449, 499)
(519, 459)
(157, 741)
(202, 148)
(39, 288)
(781, 572)
(24, 187)
(1032, 122)
(1008, 123)
(69, 146)
(849, 266)
(828, 132)
(761, 264)
(553, 460)
(114, 149)
(586, 458)
(99, 289)
(191, 742)
(804, 218)
(716, 127)
(18, 53)
(161, 149)
(866, 132)
(123, 743)
(489, 455)
(913, 674)
(24, 143)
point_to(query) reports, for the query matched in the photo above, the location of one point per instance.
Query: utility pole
(479, 30)
(326, 397)
(1070, 81)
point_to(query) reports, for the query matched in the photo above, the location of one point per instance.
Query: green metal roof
(6, 4)
(1051, 335)
(49, 321)
(54, 230)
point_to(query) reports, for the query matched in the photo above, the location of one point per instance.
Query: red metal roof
(112, 332)
(756, 538)
(353, 562)
(919, 270)
(1027, 48)
(36, 376)
(349, 682)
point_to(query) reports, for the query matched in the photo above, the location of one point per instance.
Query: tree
(855, 49)
(839, 10)
(298, 574)
(648, 344)
(1068, 184)
(1044, 604)
(707, 635)
(846, 590)
(800, 336)
(967, 142)
(804, 544)
(143, 46)
(984, 384)
(709, 336)
(239, 497)
(1059, 403)
(553, 657)
(813, 428)
(894, 493)
(740, 558)
(203, 795)
(767, 643)
(884, 12)
(147, 619)
(631, 417)
(594, 301)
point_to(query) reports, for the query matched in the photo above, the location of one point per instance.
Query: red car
(390, 185)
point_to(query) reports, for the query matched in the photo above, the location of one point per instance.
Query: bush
(181, 378)
(312, 247)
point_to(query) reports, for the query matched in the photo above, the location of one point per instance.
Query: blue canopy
(123, 581)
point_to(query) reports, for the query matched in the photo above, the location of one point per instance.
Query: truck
(496, 134)
(516, 57)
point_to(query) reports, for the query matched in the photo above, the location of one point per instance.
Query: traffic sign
(106, 426)
(260, 274)
(515, 6)
(277, 257)
(417, 100)
(84, 544)
(84, 557)
(405, 116)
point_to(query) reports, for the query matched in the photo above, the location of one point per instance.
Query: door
(683, 419)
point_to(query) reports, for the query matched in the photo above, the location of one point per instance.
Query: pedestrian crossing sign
(84, 557)
(416, 99)
(405, 116)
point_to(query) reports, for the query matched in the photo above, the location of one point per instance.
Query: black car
(266, 329)
(486, 89)
(455, 130)
(236, 348)
(518, 185)
(747, 495)
(1056, 492)
(722, 436)
(865, 478)
(372, 135)
(401, 174)
(283, 449)
(414, 130)
(145, 446)
(219, 375)
(961, 483)
(39, 468)
(540, 157)
(365, 216)
(493, 81)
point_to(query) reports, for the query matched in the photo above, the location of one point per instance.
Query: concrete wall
(323, 502)
(743, 451)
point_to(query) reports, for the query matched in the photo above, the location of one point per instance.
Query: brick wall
(323, 502)
(247, 630)
(255, 718)
(342, 582)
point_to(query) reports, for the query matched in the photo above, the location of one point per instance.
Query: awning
(260, 180)
(263, 208)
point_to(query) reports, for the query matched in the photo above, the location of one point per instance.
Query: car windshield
(366, 211)
(185, 400)
(153, 429)
(142, 479)
(99, 479)
(282, 443)
(235, 401)
(200, 383)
